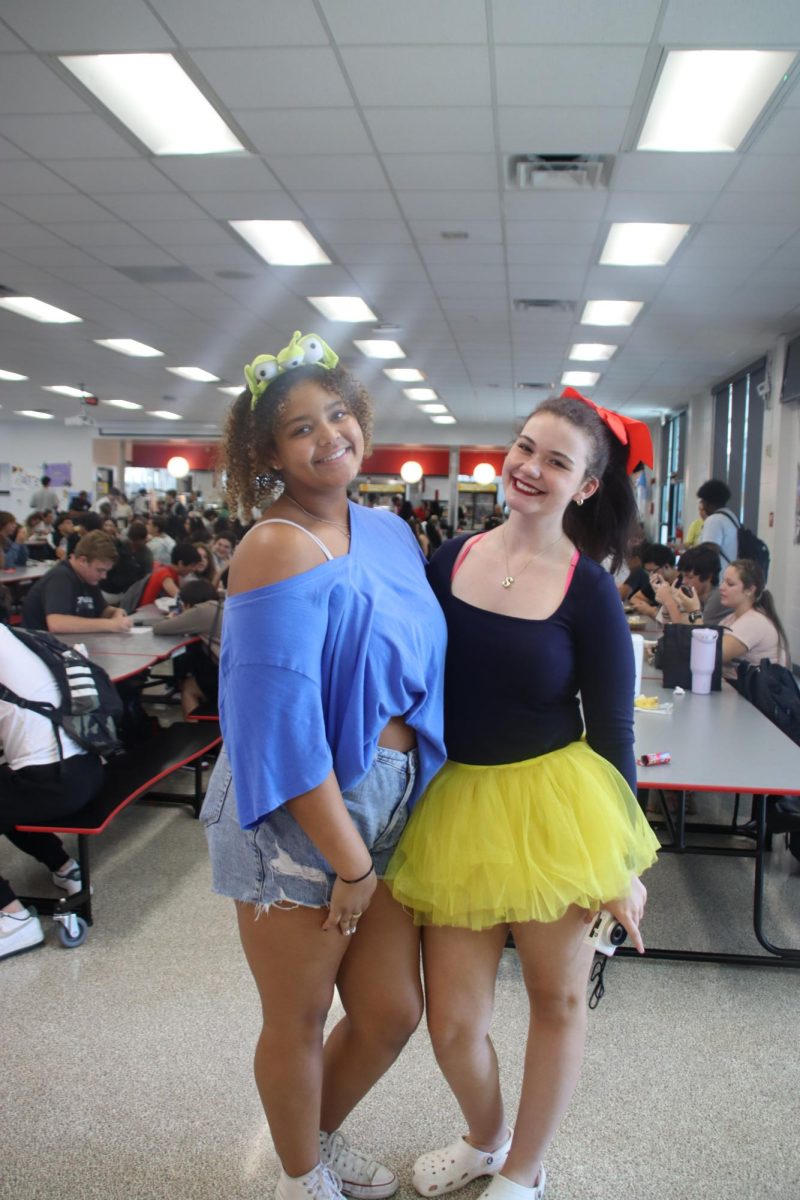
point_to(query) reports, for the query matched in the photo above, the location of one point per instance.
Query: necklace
(510, 579)
(323, 520)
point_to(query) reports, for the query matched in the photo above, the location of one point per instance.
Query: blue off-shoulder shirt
(313, 667)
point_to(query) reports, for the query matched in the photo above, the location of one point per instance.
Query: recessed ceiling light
(154, 97)
(64, 389)
(707, 100)
(12, 376)
(403, 374)
(37, 310)
(641, 244)
(36, 413)
(342, 308)
(443, 420)
(230, 391)
(592, 352)
(196, 374)
(378, 348)
(122, 404)
(580, 378)
(282, 243)
(433, 408)
(611, 312)
(130, 347)
(165, 414)
(420, 393)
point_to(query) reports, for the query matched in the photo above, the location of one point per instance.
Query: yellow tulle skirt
(522, 841)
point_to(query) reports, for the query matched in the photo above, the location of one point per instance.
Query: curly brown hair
(249, 438)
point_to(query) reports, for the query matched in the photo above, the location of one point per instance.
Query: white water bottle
(702, 659)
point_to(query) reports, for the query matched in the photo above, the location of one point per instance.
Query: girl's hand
(349, 902)
(629, 911)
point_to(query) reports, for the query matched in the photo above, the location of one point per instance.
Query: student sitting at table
(659, 563)
(13, 551)
(34, 784)
(166, 581)
(755, 628)
(197, 670)
(694, 594)
(68, 598)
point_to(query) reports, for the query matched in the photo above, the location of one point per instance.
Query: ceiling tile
(218, 173)
(562, 130)
(86, 26)
(447, 207)
(433, 172)
(21, 177)
(249, 206)
(533, 205)
(569, 77)
(149, 206)
(304, 131)
(761, 172)
(476, 274)
(28, 86)
(243, 24)
(362, 232)
(772, 23)
(377, 254)
(477, 231)
(680, 207)
(523, 233)
(275, 78)
(185, 233)
(741, 233)
(540, 22)
(348, 205)
(93, 234)
(385, 76)
(547, 253)
(419, 130)
(110, 175)
(776, 205)
(647, 171)
(781, 136)
(57, 208)
(328, 172)
(414, 22)
(462, 252)
(80, 135)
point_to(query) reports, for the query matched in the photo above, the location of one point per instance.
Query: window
(738, 433)
(673, 441)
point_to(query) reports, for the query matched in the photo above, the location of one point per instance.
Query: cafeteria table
(27, 574)
(718, 743)
(123, 655)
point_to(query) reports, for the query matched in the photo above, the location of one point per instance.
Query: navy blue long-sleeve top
(514, 687)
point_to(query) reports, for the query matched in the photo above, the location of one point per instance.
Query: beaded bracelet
(361, 878)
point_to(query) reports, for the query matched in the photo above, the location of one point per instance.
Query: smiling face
(318, 444)
(223, 548)
(546, 468)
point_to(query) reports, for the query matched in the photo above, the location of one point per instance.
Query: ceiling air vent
(558, 172)
(160, 274)
(542, 387)
(561, 306)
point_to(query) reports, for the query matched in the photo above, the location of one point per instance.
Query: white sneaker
(360, 1175)
(456, 1165)
(68, 878)
(319, 1184)
(19, 931)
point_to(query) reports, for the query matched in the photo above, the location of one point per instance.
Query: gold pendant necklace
(511, 579)
(323, 520)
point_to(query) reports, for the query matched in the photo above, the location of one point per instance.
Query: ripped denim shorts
(276, 861)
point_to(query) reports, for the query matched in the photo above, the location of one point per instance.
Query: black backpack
(749, 545)
(775, 692)
(90, 704)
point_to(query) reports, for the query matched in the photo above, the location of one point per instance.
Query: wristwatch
(695, 616)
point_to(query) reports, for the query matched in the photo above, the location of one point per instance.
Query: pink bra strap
(463, 552)
(573, 562)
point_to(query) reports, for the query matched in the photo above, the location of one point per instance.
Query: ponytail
(752, 576)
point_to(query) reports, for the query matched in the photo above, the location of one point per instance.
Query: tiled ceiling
(384, 126)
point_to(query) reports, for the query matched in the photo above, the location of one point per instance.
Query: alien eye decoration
(303, 350)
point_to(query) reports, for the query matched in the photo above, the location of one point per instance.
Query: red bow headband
(632, 433)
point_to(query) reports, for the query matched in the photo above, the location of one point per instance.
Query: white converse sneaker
(506, 1189)
(456, 1165)
(319, 1184)
(19, 931)
(360, 1175)
(68, 878)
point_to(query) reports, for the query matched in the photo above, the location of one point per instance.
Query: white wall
(779, 496)
(39, 442)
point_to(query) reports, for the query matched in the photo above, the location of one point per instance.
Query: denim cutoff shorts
(276, 862)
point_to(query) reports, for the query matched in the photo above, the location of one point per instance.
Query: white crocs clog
(456, 1165)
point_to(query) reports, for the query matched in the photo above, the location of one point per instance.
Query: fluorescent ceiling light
(122, 404)
(592, 352)
(196, 374)
(707, 100)
(611, 312)
(156, 99)
(379, 348)
(342, 308)
(580, 378)
(37, 310)
(403, 374)
(36, 413)
(420, 393)
(165, 414)
(64, 389)
(230, 391)
(641, 244)
(130, 347)
(12, 376)
(282, 243)
(443, 420)
(433, 408)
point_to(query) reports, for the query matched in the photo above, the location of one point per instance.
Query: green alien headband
(303, 351)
